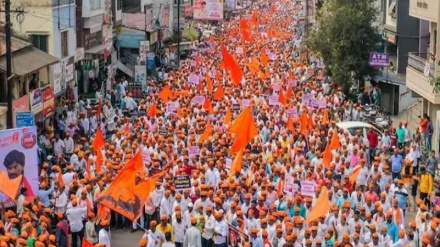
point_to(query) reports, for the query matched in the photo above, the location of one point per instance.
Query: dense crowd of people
(266, 201)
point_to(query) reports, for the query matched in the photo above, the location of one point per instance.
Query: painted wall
(37, 20)
(64, 18)
(425, 9)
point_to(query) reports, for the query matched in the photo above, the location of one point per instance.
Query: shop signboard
(48, 101)
(379, 59)
(36, 101)
(24, 119)
(20, 105)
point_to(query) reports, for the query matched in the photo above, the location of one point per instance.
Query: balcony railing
(419, 62)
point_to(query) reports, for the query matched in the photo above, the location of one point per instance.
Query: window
(392, 8)
(39, 41)
(119, 5)
(95, 4)
(65, 43)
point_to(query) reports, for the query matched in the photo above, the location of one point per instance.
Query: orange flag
(282, 99)
(303, 120)
(228, 117)
(246, 35)
(144, 189)
(243, 24)
(237, 163)
(97, 144)
(60, 179)
(152, 111)
(166, 94)
(208, 106)
(310, 122)
(209, 83)
(327, 156)
(219, 93)
(245, 128)
(334, 143)
(325, 119)
(230, 63)
(86, 243)
(103, 212)
(207, 133)
(290, 126)
(264, 58)
(322, 206)
(8, 186)
(254, 65)
(354, 174)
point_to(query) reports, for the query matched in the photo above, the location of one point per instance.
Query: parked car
(352, 126)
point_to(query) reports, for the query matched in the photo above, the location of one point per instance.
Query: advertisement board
(48, 101)
(19, 156)
(140, 74)
(19, 105)
(208, 10)
(24, 119)
(36, 101)
(144, 49)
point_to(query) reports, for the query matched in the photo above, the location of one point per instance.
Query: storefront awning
(97, 49)
(28, 60)
(389, 77)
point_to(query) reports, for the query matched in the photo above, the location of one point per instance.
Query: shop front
(63, 81)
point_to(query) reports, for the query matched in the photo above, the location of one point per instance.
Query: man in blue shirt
(43, 194)
(396, 163)
(392, 229)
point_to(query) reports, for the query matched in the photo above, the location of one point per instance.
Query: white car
(352, 126)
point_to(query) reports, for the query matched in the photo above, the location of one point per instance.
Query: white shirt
(223, 229)
(104, 237)
(179, 231)
(75, 217)
(165, 206)
(193, 238)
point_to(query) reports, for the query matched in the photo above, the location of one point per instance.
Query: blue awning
(129, 38)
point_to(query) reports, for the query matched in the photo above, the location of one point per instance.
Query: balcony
(424, 9)
(419, 73)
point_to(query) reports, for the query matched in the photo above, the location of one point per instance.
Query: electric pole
(9, 61)
(178, 33)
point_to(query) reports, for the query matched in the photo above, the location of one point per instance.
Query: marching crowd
(369, 183)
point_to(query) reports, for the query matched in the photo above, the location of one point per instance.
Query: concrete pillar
(424, 106)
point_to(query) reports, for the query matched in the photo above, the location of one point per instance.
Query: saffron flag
(208, 106)
(290, 126)
(327, 156)
(354, 174)
(8, 186)
(325, 119)
(207, 133)
(282, 99)
(228, 118)
(152, 110)
(230, 63)
(122, 194)
(219, 93)
(97, 144)
(334, 143)
(237, 163)
(303, 120)
(165, 94)
(264, 58)
(144, 189)
(209, 83)
(245, 128)
(322, 206)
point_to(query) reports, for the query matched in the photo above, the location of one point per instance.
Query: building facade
(423, 65)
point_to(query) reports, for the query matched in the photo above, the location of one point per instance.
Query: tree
(345, 38)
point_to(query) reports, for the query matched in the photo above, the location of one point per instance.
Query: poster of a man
(14, 163)
(19, 156)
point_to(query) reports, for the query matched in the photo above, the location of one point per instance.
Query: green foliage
(435, 83)
(345, 38)
(190, 34)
